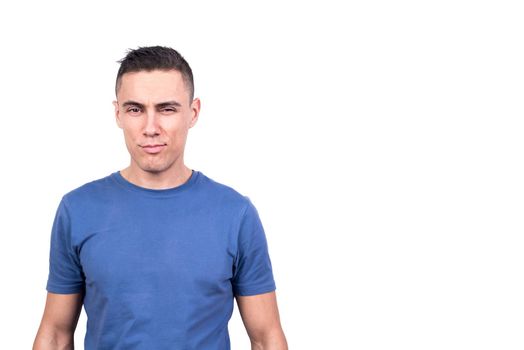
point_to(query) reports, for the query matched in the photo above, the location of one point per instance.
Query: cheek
(175, 129)
(179, 137)
(130, 138)
(127, 134)
(131, 130)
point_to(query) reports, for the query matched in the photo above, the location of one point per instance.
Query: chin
(153, 165)
(154, 168)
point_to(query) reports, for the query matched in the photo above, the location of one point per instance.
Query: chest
(152, 253)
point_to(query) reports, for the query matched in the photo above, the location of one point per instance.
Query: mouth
(154, 148)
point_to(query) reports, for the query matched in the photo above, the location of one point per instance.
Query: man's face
(155, 113)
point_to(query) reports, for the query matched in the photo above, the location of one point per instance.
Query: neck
(157, 180)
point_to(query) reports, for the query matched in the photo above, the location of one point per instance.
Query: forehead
(150, 84)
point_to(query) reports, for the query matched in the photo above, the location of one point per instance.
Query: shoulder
(223, 193)
(89, 192)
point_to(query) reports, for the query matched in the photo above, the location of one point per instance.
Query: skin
(262, 321)
(57, 328)
(154, 108)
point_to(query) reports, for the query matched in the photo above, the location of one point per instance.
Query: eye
(168, 110)
(133, 110)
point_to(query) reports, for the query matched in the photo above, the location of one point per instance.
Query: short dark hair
(155, 58)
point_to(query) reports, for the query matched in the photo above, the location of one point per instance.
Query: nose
(152, 127)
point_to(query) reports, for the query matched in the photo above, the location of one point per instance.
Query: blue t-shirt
(159, 268)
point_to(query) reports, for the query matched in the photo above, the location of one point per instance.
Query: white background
(381, 142)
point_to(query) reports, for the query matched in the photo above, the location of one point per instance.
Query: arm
(59, 321)
(262, 321)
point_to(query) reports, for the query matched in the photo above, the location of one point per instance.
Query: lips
(154, 148)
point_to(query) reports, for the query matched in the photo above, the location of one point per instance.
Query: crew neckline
(167, 192)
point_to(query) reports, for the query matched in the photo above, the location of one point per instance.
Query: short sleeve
(252, 269)
(65, 272)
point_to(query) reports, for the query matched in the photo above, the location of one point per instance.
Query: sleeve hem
(64, 290)
(255, 290)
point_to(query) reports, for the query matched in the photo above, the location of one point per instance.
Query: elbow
(270, 340)
(54, 341)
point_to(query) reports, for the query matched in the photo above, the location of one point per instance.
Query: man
(157, 252)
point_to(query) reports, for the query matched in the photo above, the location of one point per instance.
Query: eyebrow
(158, 105)
(167, 104)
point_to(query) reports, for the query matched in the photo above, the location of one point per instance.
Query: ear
(117, 114)
(195, 111)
